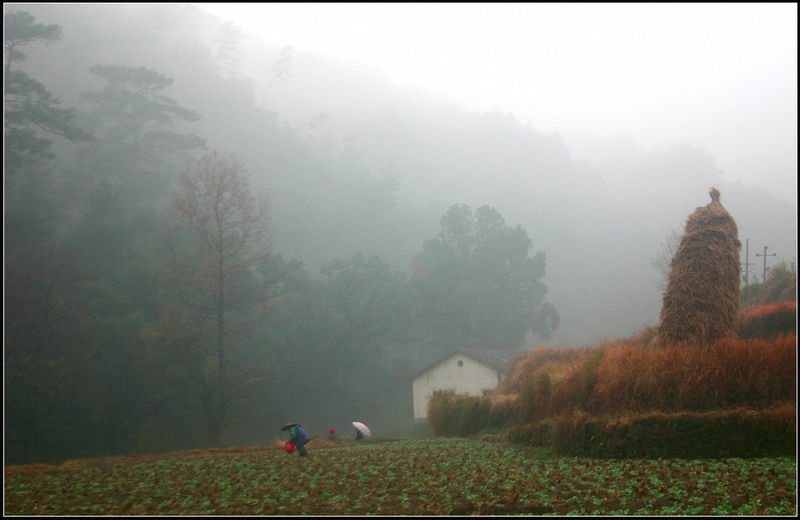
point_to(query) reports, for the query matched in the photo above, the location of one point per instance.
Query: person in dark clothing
(359, 435)
(297, 436)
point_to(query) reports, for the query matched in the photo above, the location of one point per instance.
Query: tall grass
(450, 414)
(550, 393)
(561, 384)
(728, 373)
(620, 375)
(527, 362)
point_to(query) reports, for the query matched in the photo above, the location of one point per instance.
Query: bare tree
(221, 235)
(663, 261)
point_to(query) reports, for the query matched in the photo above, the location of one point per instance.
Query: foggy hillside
(600, 224)
(359, 174)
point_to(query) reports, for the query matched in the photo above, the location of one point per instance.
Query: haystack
(701, 302)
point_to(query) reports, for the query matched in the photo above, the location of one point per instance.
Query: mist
(722, 77)
(365, 168)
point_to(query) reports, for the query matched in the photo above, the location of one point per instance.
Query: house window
(460, 363)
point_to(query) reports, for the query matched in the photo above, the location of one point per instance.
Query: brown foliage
(730, 372)
(527, 362)
(449, 414)
(769, 321)
(701, 302)
(503, 404)
(561, 383)
(631, 392)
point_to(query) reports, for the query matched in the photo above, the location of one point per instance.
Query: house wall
(471, 378)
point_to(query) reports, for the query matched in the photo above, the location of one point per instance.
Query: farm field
(440, 476)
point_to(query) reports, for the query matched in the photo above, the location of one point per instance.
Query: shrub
(561, 382)
(740, 432)
(441, 411)
(769, 321)
(527, 362)
(504, 408)
(535, 433)
(781, 285)
(462, 416)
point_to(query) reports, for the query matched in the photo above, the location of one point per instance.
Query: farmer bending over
(297, 436)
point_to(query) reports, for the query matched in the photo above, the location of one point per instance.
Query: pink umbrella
(362, 428)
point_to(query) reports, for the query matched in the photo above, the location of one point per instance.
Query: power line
(746, 262)
(765, 255)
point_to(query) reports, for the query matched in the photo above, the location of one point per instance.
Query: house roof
(498, 359)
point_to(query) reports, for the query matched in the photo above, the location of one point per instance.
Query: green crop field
(405, 477)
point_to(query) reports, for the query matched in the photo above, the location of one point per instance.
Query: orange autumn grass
(623, 376)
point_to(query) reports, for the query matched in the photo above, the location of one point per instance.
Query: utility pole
(747, 263)
(765, 255)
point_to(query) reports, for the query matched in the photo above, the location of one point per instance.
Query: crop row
(408, 477)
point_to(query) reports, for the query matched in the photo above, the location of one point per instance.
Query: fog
(383, 137)
(719, 76)
(625, 88)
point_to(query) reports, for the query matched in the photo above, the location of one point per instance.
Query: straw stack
(701, 302)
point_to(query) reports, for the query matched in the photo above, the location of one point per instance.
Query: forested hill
(355, 163)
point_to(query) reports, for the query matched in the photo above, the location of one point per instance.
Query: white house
(465, 371)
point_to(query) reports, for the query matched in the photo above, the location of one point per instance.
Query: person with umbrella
(361, 430)
(298, 438)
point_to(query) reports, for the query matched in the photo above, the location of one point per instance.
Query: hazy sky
(719, 76)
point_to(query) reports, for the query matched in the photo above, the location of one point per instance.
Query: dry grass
(769, 321)
(624, 376)
(730, 372)
(503, 403)
(527, 362)
(701, 301)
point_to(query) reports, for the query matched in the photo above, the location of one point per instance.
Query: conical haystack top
(701, 301)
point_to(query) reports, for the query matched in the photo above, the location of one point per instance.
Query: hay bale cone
(701, 301)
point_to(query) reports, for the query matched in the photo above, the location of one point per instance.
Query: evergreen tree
(478, 287)
(140, 140)
(32, 116)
